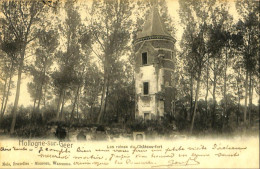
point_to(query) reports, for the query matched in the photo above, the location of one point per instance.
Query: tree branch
(11, 23)
(28, 41)
(100, 42)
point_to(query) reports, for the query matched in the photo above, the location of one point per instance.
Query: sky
(173, 8)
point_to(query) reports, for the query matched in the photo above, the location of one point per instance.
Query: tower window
(146, 88)
(144, 58)
(146, 117)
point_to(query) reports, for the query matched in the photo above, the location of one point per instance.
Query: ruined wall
(159, 73)
(146, 103)
(146, 73)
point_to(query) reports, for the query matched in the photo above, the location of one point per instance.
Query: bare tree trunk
(17, 95)
(78, 107)
(3, 98)
(174, 106)
(225, 91)
(74, 104)
(250, 97)
(102, 107)
(8, 89)
(238, 92)
(246, 91)
(39, 98)
(214, 95)
(39, 102)
(6, 93)
(191, 97)
(196, 102)
(103, 98)
(44, 95)
(91, 112)
(106, 100)
(246, 82)
(238, 108)
(62, 106)
(34, 103)
(59, 103)
(35, 99)
(207, 87)
(117, 109)
(40, 95)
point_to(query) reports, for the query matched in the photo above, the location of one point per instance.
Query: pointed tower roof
(154, 26)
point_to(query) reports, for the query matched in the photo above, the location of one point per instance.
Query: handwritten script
(153, 154)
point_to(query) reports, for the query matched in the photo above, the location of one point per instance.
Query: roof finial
(153, 24)
(154, 3)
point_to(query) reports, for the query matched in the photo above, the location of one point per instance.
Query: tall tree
(110, 27)
(47, 44)
(92, 88)
(195, 16)
(248, 28)
(71, 62)
(219, 37)
(237, 85)
(22, 16)
(9, 60)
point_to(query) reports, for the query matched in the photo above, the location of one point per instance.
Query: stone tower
(154, 69)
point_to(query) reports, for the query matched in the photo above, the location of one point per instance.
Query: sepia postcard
(129, 84)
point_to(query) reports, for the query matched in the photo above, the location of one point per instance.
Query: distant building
(154, 69)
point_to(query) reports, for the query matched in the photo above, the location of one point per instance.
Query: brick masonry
(159, 73)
